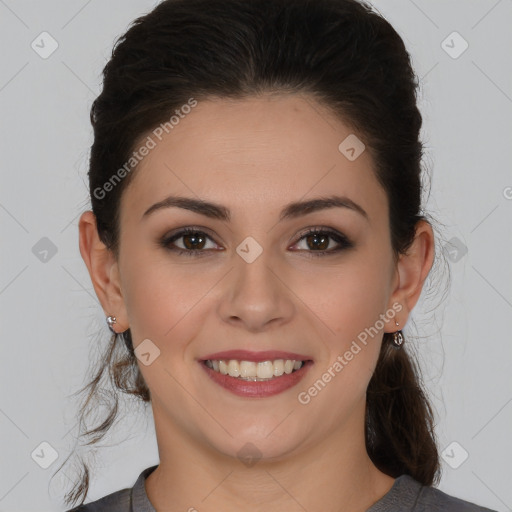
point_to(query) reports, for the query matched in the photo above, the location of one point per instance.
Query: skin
(254, 156)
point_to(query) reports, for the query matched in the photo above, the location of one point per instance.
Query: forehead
(253, 153)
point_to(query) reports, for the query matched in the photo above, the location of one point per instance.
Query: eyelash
(344, 242)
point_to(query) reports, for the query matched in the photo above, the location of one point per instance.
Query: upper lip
(247, 355)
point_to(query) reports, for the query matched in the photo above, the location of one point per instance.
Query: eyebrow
(290, 211)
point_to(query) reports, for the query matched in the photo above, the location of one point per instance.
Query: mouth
(256, 374)
(254, 371)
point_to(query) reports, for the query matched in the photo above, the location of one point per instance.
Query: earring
(111, 320)
(398, 338)
(125, 335)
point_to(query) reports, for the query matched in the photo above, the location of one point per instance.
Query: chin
(263, 441)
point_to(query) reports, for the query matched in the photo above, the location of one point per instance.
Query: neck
(336, 475)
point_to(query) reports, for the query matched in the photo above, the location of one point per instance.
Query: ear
(103, 269)
(411, 271)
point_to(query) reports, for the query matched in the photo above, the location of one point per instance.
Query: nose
(255, 295)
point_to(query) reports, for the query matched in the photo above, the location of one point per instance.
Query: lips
(256, 387)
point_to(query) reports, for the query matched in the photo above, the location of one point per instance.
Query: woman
(257, 242)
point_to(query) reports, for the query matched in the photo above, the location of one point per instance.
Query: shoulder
(431, 499)
(125, 500)
(119, 501)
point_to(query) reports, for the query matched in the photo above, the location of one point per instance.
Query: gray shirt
(406, 495)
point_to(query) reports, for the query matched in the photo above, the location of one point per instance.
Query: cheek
(164, 300)
(352, 298)
(352, 302)
(146, 295)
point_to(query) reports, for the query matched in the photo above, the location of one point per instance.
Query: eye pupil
(194, 237)
(323, 243)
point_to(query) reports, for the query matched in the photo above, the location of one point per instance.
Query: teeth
(265, 370)
(234, 368)
(223, 367)
(250, 370)
(279, 367)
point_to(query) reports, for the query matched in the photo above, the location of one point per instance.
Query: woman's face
(253, 279)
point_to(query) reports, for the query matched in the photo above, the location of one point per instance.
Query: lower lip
(258, 389)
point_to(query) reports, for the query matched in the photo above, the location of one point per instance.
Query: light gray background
(50, 313)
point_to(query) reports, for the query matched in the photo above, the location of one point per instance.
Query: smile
(254, 371)
(255, 375)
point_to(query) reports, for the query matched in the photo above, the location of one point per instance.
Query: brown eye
(318, 241)
(193, 242)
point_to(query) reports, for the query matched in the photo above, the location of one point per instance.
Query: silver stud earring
(398, 338)
(111, 320)
(125, 335)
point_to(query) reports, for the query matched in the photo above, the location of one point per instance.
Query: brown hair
(341, 53)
